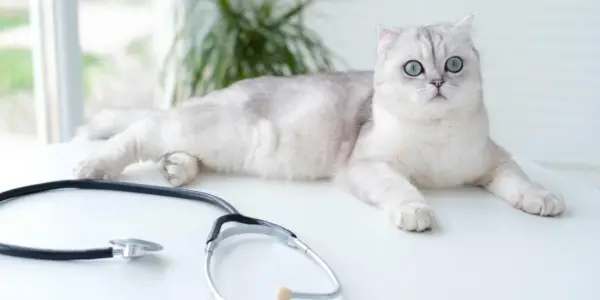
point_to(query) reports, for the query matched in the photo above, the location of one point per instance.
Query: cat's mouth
(439, 96)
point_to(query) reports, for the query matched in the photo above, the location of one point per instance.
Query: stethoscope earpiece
(284, 294)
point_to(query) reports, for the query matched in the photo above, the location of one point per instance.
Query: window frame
(57, 69)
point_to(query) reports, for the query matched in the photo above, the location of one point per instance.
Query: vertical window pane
(118, 66)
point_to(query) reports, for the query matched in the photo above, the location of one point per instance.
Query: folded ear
(465, 24)
(386, 37)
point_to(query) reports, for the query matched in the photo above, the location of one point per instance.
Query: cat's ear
(465, 24)
(386, 37)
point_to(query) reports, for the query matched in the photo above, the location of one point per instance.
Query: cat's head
(428, 71)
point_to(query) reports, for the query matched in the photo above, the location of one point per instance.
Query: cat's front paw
(94, 168)
(539, 201)
(179, 168)
(412, 216)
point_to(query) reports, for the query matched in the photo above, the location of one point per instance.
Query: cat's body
(297, 128)
(417, 121)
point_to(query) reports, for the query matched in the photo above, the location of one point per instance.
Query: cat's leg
(179, 168)
(109, 122)
(507, 180)
(379, 184)
(142, 141)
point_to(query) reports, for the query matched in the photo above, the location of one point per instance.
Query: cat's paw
(412, 216)
(539, 201)
(179, 168)
(94, 168)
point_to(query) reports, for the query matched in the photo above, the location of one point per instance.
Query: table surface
(482, 249)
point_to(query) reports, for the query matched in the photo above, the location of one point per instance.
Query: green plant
(245, 39)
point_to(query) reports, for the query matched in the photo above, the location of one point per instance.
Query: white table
(484, 249)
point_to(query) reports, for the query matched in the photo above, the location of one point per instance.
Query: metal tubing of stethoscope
(324, 266)
(291, 241)
(209, 279)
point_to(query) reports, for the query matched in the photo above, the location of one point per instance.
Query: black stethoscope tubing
(132, 248)
(232, 214)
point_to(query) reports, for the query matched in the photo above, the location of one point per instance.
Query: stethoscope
(134, 248)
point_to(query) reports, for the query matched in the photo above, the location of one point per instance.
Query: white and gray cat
(417, 121)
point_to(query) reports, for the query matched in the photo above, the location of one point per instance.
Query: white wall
(541, 64)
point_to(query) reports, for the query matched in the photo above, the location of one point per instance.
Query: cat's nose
(437, 82)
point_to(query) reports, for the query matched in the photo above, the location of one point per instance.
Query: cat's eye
(413, 68)
(454, 64)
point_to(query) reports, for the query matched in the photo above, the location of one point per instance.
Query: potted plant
(224, 41)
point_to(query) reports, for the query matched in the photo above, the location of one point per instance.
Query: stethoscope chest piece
(134, 248)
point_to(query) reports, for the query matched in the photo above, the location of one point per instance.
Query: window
(61, 61)
(17, 105)
(119, 62)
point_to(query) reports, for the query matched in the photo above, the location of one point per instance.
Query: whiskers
(451, 86)
(428, 93)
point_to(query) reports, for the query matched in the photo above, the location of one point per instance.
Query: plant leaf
(248, 39)
(294, 11)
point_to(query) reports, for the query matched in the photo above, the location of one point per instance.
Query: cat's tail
(109, 122)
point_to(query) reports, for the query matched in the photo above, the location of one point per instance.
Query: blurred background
(62, 61)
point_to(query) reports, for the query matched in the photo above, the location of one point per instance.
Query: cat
(416, 121)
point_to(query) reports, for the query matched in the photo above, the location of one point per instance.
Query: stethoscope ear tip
(284, 293)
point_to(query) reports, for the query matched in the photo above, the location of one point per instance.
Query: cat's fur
(381, 134)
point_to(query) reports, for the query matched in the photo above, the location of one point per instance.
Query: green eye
(454, 64)
(413, 68)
